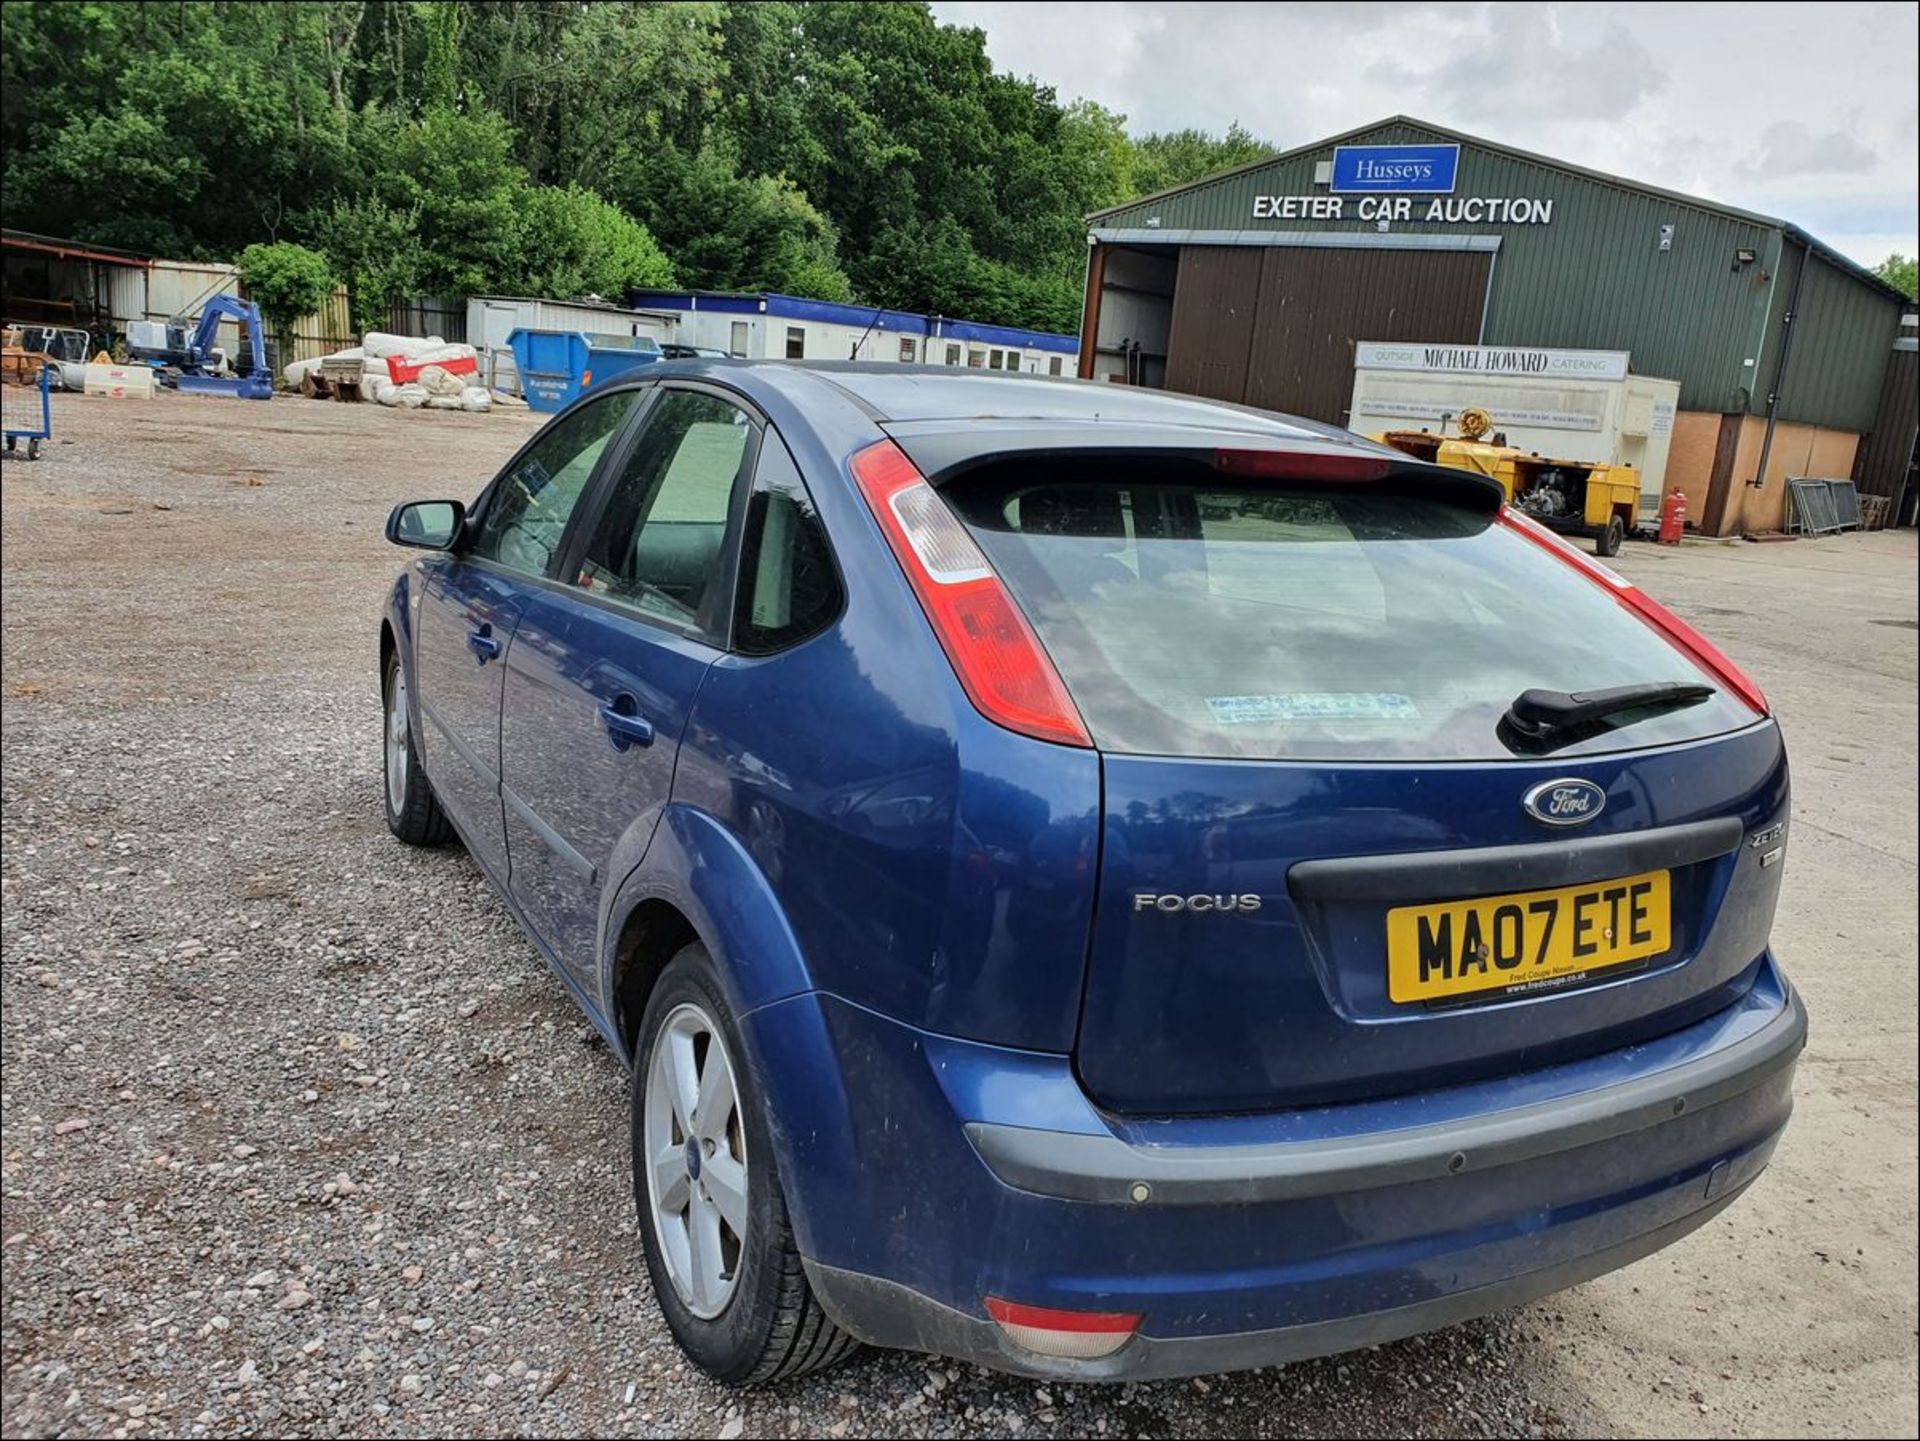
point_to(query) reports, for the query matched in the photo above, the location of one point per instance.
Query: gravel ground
(301, 1137)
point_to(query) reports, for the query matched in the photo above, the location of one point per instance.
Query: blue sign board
(1379, 169)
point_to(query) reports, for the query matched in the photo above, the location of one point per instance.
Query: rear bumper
(959, 1171)
(884, 1313)
(1108, 1169)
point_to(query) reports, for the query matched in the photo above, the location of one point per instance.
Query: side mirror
(428, 524)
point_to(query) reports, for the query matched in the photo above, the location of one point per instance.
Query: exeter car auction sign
(1492, 360)
(1383, 210)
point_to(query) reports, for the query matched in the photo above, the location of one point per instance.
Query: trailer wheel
(33, 448)
(1609, 540)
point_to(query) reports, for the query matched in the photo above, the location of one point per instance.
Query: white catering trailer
(1584, 405)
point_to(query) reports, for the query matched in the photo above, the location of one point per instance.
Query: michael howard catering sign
(1365, 169)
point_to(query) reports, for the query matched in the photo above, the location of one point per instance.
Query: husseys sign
(1377, 169)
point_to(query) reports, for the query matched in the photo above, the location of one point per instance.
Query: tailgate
(1228, 1007)
(1394, 794)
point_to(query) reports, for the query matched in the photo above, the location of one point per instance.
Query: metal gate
(1819, 507)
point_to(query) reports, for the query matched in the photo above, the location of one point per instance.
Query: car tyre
(413, 811)
(1608, 542)
(753, 1319)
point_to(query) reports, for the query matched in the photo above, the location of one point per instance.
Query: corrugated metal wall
(179, 287)
(167, 288)
(1886, 456)
(1594, 277)
(328, 329)
(126, 293)
(534, 314)
(1840, 349)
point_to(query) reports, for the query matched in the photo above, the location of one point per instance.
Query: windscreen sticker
(1311, 705)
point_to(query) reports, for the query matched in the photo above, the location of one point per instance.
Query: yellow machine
(1580, 496)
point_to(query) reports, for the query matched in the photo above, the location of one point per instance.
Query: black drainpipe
(1780, 370)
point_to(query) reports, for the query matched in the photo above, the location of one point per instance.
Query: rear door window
(659, 540)
(1195, 616)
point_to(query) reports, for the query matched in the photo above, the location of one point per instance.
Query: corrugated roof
(78, 249)
(1820, 247)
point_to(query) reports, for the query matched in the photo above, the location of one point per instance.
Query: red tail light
(1704, 651)
(1078, 1335)
(994, 652)
(1307, 465)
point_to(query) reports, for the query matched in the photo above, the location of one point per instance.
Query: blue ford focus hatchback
(1094, 882)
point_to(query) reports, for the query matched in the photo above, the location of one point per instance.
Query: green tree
(454, 174)
(726, 231)
(376, 248)
(577, 244)
(1174, 157)
(1899, 271)
(933, 267)
(287, 282)
(194, 157)
(829, 149)
(440, 74)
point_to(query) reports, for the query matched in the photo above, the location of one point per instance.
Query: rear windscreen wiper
(1546, 719)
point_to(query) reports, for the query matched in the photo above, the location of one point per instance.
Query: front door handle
(624, 724)
(482, 643)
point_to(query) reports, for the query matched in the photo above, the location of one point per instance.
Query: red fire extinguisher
(1673, 517)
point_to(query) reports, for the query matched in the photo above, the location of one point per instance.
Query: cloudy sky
(1805, 111)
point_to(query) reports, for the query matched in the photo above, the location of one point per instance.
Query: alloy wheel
(696, 1160)
(398, 742)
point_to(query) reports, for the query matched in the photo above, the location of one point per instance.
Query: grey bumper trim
(1104, 1168)
(885, 1313)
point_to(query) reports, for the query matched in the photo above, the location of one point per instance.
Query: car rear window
(1194, 615)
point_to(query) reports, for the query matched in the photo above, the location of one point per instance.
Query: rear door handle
(625, 726)
(482, 643)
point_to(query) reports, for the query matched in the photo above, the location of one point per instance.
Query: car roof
(891, 395)
(950, 421)
(933, 392)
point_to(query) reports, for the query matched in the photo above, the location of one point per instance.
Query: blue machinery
(191, 362)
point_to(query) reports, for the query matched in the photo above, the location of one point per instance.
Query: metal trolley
(26, 413)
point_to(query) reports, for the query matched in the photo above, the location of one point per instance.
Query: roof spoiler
(945, 451)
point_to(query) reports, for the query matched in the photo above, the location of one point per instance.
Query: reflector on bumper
(1072, 1335)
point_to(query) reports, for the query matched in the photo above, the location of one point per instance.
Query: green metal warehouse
(1255, 285)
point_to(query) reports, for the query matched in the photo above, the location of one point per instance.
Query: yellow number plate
(1530, 941)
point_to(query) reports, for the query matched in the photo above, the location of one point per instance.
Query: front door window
(527, 512)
